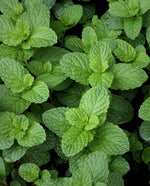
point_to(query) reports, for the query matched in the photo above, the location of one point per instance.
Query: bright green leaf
(29, 172)
(76, 66)
(100, 57)
(95, 101)
(74, 140)
(110, 139)
(56, 121)
(124, 51)
(15, 76)
(127, 77)
(38, 93)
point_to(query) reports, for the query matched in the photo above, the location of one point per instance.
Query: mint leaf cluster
(74, 92)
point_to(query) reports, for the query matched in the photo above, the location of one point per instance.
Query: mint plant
(74, 92)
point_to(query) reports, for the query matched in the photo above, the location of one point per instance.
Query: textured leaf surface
(56, 121)
(110, 139)
(145, 130)
(97, 165)
(76, 66)
(7, 28)
(29, 172)
(14, 153)
(144, 110)
(41, 37)
(81, 177)
(12, 8)
(119, 165)
(35, 135)
(5, 144)
(95, 101)
(100, 57)
(38, 93)
(142, 60)
(124, 51)
(104, 79)
(72, 15)
(132, 26)
(124, 9)
(77, 117)
(89, 38)
(13, 102)
(74, 140)
(36, 15)
(15, 76)
(127, 77)
(74, 44)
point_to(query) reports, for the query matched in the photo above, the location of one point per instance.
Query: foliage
(74, 91)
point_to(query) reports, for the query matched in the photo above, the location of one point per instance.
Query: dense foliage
(74, 92)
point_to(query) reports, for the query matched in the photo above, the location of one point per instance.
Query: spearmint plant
(74, 92)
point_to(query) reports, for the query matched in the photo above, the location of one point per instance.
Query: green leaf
(20, 126)
(36, 155)
(56, 121)
(100, 57)
(38, 93)
(124, 51)
(127, 77)
(49, 3)
(124, 8)
(29, 172)
(89, 38)
(35, 135)
(81, 177)
(120, 110)
(115, 179)
(12, 8)
(74, 140)
(12, 126)
(110, 139)
(104, 79)
(76, 66)
(37, 68)
(93, 122)
(77, 117)
(13, 102)
(36, 14)
(21, 32)
(132, 26)
(145, 130)
(61, 7)
(52, 54)
(5, 144)
(97, 165)
(148, 35)
(119, 165)
(72, 95)
(2, 168)
(15, 53)
(15, 76)
(142, 60)
(14, 153)
(144, 110)
(41, 37)
(95, 101)
(7, 28)
(72, 15)
(144, 6)
(146, 155)
(73, 43)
